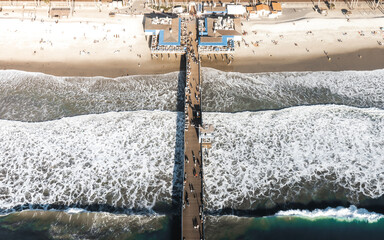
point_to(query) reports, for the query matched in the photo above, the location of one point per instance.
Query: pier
(193, 36)
(193, 205)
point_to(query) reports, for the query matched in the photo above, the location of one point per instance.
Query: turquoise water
(56, 225)
(41, 225)
(292, 228)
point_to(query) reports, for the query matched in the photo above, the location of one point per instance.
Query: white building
(235, 9)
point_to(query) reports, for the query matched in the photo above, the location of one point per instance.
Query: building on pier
(165, 34)
(206, 136)
(219, 34)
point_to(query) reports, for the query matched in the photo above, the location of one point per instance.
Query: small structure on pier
(206, 136)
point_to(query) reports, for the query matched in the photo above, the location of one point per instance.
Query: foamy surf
(298, 154)
(258, 158)
(344, 214)
(123, 160)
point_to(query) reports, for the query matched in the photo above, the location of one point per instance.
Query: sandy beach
(100, 46)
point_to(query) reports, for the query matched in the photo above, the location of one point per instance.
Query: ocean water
(100, 158)
(236, 92)
(327, 226)
(86, 225)
(26, 96)
(331, 223)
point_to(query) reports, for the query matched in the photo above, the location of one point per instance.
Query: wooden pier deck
(192, 212)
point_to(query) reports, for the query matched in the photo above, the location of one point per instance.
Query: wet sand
(96, 68)
(370, 59)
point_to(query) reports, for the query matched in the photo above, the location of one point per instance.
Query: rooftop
(276, 6)
(169, 26)
(217, 30)
(262, 7)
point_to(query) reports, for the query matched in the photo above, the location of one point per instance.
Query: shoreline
(92, 44)
(261, 64)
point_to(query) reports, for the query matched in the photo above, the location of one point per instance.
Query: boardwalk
(192, 212)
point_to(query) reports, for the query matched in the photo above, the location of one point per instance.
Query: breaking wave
(341, 213)
(123, 160)
(126, 159)
(235, 92)
(26, 96)
(300, 154)
(258, 159)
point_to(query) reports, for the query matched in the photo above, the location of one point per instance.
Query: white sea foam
(27, 96)
(118, 159)
(127, 159)
(296, 154)
(75, 210)
(341, 213)
(232, 92)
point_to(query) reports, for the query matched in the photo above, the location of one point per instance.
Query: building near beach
(251, 10)
(236, 10)
(214, 8)
(262, 10)
(164, 33)
(276, 6)
(167, 29)
(276, 10)
(219, 34)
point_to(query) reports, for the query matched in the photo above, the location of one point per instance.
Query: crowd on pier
(193, 175)
(229, 48)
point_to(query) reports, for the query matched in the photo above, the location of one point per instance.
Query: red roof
(262, 7)
(276, 6)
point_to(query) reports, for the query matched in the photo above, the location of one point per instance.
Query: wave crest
(26, 96)
(235, 92)
(341, 213)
